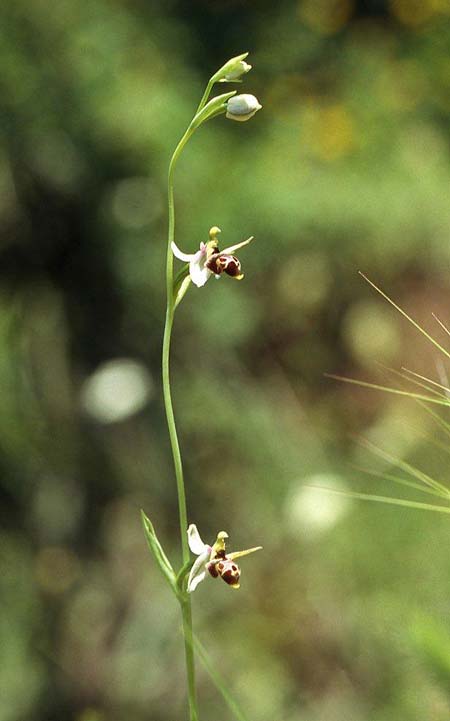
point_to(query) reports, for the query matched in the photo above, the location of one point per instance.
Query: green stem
(182, 509)
(206, 95)
(166, 355)
(186, 612)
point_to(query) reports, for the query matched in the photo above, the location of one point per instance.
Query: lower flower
(214, 560)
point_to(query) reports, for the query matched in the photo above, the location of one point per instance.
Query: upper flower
(209, 260)
(214, 559)
(242, 107)
(232, 71)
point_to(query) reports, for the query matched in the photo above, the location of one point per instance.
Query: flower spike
(214, 559)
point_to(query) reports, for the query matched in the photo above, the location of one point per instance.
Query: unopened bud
(242, 107)
(233, 70)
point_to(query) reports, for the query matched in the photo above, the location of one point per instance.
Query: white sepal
(186, 257)
(195, 542)
(198, 570)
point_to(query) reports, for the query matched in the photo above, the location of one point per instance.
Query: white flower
(213, 559)
(209, 260)
(242, 107)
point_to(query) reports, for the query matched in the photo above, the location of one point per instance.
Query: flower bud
(242, 107)
(232, 71)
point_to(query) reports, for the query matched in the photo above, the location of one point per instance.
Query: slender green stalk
(206, 95)
(186, 612)
(386, 499)
(408, 317)
(185, 602)
(396, 391)
(166, 355)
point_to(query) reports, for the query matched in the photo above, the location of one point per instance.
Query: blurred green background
(345, 615)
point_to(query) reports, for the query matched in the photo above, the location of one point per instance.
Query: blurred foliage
(345, 614)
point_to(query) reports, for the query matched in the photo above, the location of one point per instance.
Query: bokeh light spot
(116, 390)
(136, 202)
(55, 157)
(310, 510)
(371, 332)
(417, 12)
(91, 714)
(326, 16)
(305, 281)
(328, 132)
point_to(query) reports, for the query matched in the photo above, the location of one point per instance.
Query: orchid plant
(199, 266)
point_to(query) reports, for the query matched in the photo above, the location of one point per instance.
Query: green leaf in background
(432, 641)
(219, 683)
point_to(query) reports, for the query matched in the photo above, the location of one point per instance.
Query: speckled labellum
(223, 263)
(226, 568)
